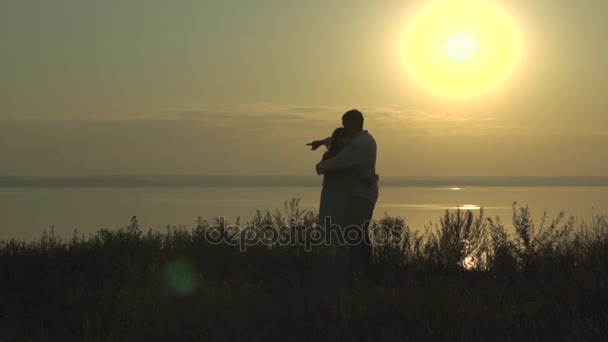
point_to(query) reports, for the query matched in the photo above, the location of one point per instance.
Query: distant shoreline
(160, 181)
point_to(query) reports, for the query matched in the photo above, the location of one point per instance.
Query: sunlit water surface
(26, 212)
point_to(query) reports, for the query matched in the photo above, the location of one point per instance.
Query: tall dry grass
(464, 277)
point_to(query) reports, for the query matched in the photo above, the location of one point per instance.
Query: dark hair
(337, 143)
(353, 117)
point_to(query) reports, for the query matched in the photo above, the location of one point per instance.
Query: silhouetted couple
(350, 192)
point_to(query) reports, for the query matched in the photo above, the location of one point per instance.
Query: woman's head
(339, 139)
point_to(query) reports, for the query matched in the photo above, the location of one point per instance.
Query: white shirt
(361, 150)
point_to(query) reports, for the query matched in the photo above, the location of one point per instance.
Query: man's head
(352, 121)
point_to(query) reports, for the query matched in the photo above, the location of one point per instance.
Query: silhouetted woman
(337, 186)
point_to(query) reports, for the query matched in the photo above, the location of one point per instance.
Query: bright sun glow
(461, 48)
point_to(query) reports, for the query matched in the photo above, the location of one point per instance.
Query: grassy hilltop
(465, 278)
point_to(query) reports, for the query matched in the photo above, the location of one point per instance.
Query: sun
(461, 48)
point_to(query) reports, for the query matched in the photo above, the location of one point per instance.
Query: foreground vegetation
(465, 278)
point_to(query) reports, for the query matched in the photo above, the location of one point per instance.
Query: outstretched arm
(317, 143)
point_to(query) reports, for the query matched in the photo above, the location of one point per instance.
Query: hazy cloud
(268, 116)
(276, 118)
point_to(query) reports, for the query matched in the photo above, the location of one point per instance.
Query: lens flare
(181, 277)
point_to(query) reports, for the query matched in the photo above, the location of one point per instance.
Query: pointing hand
(315, 144)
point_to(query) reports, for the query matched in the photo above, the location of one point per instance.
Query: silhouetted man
(360, 152)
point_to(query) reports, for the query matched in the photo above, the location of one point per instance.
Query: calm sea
(28, 206)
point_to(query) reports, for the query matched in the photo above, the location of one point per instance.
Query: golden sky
(238, 87)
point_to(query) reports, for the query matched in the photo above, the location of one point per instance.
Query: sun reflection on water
(468, 262)
(466, 207)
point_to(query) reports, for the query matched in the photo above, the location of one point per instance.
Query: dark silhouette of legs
(358, 216)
